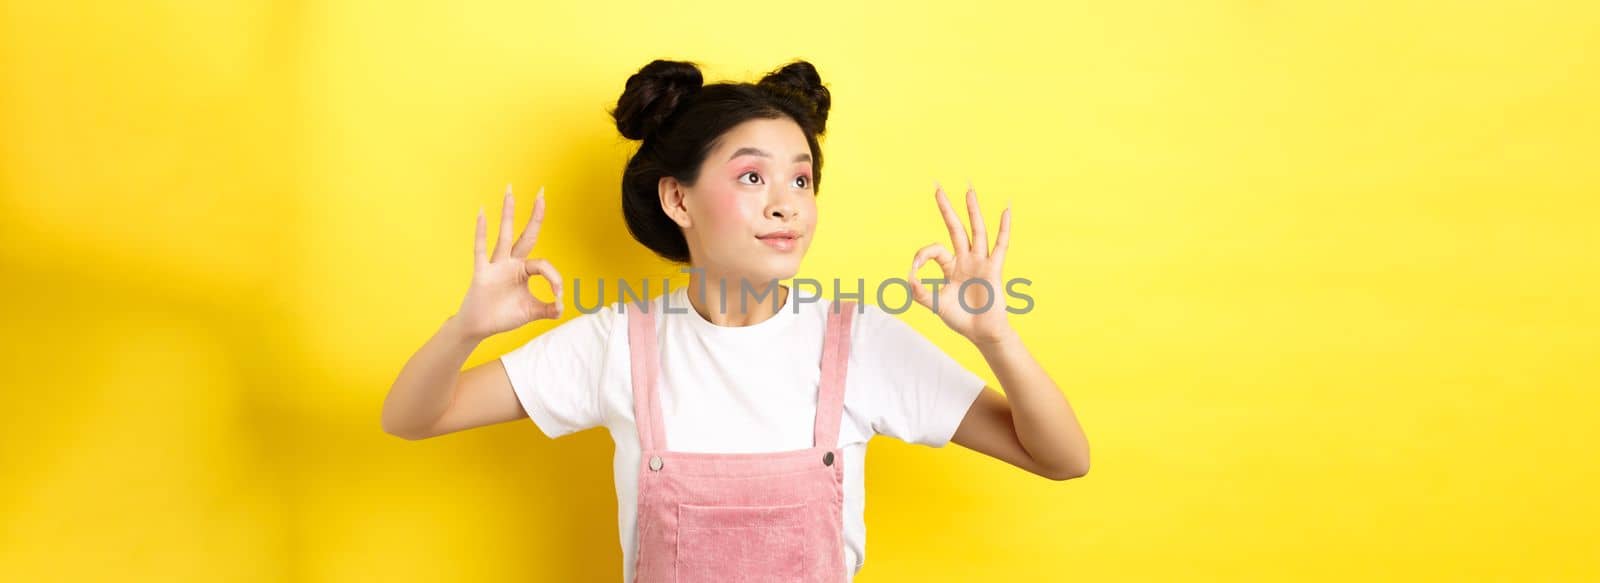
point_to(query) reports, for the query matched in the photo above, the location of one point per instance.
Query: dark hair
(678, 121)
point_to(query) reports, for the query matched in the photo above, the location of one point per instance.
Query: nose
(783, 209)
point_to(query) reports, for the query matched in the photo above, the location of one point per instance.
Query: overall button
(655, 463)
(827, 459)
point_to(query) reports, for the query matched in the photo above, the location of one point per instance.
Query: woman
(767, 405)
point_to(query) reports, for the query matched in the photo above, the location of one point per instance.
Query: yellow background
(1319, 278)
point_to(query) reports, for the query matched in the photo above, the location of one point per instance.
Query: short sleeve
(557, 374)
(919, 393)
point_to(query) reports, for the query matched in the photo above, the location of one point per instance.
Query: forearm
(426, 385)
(1045, 423)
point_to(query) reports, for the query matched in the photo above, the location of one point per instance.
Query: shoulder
(615, 314)
(605, 317)
(875, 333)
(888, 338)
(871, 321)
(611, 319)
(591, 331)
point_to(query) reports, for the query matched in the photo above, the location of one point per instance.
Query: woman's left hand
(975, 310)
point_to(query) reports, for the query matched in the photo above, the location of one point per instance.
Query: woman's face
(752, 210)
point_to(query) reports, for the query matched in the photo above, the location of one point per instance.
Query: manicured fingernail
(541, 191)
(508, 189)
(969, 184)
(936, 185)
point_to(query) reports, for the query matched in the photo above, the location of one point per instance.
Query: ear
(673, 200)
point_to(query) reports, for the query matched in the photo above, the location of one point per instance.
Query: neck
(721, 299)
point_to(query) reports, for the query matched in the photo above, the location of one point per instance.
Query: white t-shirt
(742, 389)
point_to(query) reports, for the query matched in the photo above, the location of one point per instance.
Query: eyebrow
(764, 154)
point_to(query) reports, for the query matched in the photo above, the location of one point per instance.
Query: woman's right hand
(498, 299)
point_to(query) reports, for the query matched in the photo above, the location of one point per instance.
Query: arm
(431, 396)
(1041, 434)
(417, 408)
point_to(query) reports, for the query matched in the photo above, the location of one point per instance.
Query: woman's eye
(802, 181)
(750, 173)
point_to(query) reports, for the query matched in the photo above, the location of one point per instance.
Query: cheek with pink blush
(728, 214)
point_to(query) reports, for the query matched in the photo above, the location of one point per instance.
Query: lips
(781, 240)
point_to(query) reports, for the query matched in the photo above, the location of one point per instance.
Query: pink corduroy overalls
(740, 516)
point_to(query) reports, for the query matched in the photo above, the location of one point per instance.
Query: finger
(958, 233)
(479, 246)
(1002, 240)
(941, 256)
(938, 254)
(919, 293)
(530, 233)
(543, 268)
(502, 245)
(980, 238)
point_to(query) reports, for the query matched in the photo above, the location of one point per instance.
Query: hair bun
(799, 79)
(652, 94)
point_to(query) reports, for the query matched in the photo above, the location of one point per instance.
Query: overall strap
(835, 358)
(646, 368)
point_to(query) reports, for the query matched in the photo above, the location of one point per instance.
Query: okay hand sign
(498, 299)
(975, 310)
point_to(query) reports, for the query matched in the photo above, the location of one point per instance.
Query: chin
(780, 274)
(779, 268)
